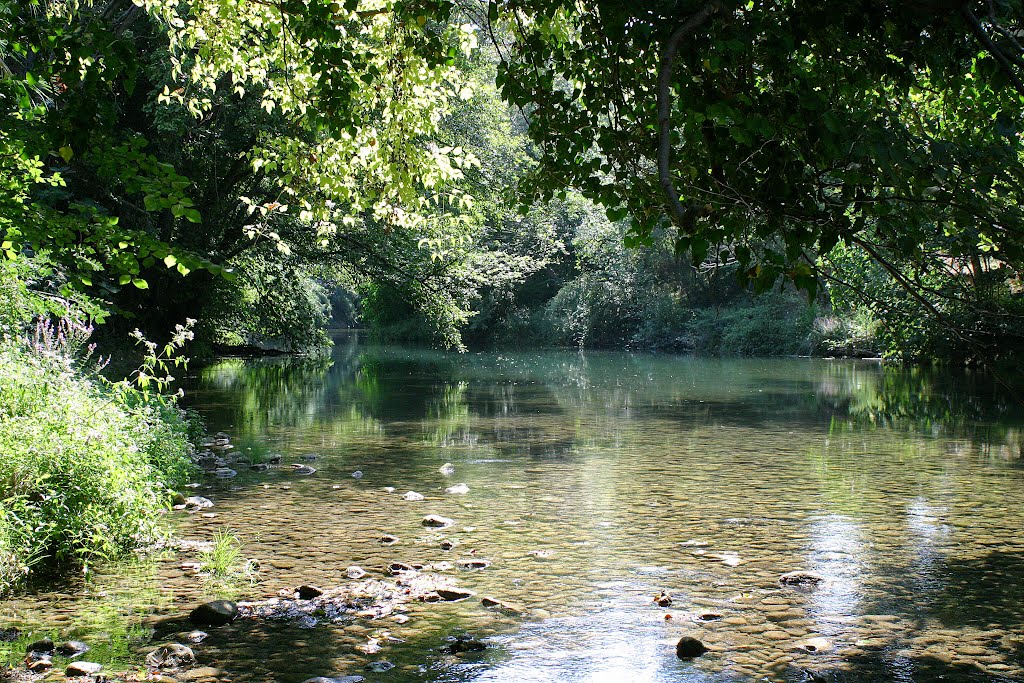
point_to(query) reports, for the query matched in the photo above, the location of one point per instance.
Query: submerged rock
(801, 579)
(336, 679)
(814, 645)
(42, 646)
(446, 469)
(454, 594)
(663, 599)
(224, 473)
(37, 662)
(171, 656)
(309, 457)
(308, 592)
(437, 521)
(259, 467)
(196, 636)
(388, 539)
(83, 669)
(380, 667)
(275, 458)
(72, 648)
(355, 572)
(413, 496)
(358, 474)
(501, 605)
(473, 563)
(215, 613)
(448, 544)
(303, 469)
(464, 643)
(198, 502)
(689, 647)
(400, 568)
(457, 489)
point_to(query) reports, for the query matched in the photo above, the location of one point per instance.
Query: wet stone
(215, 613)
(412, 496)
(801, 579)
(437, 521)
(171, 656)
(380, 666)
(355, 572)
(388, 539)
(689, 647)
(83, 669)
(306, 592)
(201, 673)
(472, 564)
(72, 648)
(454, 594)
(42, 646)
(458, 489)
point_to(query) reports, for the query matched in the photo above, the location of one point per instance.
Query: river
(597, 481)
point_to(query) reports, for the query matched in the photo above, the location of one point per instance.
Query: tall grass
(84, 474)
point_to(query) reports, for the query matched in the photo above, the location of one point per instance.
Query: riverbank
(88, 467)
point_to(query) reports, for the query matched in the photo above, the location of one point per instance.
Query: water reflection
(599, 480)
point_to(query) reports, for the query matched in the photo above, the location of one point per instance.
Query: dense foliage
(88, 465)
(438, 163)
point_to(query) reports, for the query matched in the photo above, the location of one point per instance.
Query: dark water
(597, 481)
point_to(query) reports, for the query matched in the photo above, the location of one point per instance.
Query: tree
(770, 132)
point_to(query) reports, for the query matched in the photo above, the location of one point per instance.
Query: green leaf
(140, 283)
(170, 260)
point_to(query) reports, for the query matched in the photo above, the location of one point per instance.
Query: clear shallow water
(596, 482)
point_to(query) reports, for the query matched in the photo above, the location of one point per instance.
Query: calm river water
(597, 481)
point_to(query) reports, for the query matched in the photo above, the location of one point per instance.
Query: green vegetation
(477, 173)
(88, 464)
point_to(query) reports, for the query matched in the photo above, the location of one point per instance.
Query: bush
(85, 471)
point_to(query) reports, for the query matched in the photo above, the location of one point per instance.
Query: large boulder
(216, 613)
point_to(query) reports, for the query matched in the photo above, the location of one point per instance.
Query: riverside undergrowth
(87, 465)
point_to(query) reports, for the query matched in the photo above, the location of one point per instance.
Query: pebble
(437, 521)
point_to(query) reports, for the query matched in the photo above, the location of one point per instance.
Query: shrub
(85, 472)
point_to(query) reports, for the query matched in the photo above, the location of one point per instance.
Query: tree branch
(676, 209)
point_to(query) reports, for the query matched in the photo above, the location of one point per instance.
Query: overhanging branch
(676, 209)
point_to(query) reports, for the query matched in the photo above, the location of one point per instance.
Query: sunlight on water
(596, 482)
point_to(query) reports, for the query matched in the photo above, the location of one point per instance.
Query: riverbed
(596, 483)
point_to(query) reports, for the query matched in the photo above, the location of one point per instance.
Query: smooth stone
(412, 496)
(83, 669)
(437, 521)
(465, 643)
(707, 616)
(446, 468)
(201, 672)
(457, 489)
(400, 568)
(44, 645)
(303, 469)
(224, 473)
(196, 636)
(380, 667)
(215, 613)
(39, 663)
(355, 572)
(306, 592)
(454, 594)
(801, 578)
(198, 502)
(171, 656)
(494, 603)
(161, 678)
(689, 647)
(663, 599)
(388, 539)
(815, 645)
(473, 564)
(72, 648)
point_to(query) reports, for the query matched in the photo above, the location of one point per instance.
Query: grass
(224, 565)
(84, 474)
